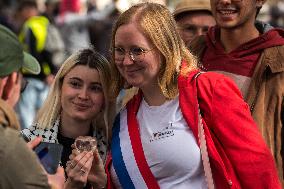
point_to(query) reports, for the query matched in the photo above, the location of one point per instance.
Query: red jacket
(239, 157)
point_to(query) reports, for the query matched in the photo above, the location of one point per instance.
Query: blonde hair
(159, 26)
(49, 112)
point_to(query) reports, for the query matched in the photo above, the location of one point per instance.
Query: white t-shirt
(171, 149)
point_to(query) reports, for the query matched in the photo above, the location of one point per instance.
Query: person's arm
(57, 180)
(21, 167)
(229, 118)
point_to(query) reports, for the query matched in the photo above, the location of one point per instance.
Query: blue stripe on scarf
(117, 158)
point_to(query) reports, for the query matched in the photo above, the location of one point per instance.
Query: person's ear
(3, 82)
(11, 91)
(10, 83)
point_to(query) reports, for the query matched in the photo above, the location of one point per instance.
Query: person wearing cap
(251, 53)
(193, 18)
(19, 166)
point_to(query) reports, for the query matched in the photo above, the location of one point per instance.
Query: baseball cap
(12, 55)
(191, 5)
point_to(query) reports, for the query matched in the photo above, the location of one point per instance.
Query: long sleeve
(19, 167)
(229, 119)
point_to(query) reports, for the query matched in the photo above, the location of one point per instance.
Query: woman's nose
(83, 94)
(128, 60)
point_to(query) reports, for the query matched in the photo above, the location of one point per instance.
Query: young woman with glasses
(155, 140)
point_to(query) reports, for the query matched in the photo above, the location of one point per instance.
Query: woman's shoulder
(121, 114)
(209, 78)
(212, 77)
(217, 82)
(209, 84)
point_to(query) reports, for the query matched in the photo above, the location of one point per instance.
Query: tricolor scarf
(129, 151)
(225, 175)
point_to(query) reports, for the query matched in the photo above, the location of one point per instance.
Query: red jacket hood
(271, 38)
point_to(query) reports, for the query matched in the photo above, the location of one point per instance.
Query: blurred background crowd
(51, 30)
(80, 22)
(90, 21)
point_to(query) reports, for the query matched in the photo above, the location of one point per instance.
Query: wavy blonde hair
(51, 109)
(157, 23)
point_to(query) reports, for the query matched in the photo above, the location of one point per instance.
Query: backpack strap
(203, 146)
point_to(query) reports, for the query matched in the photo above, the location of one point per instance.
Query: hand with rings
(83, 171)
(78, 169)
(96, 175)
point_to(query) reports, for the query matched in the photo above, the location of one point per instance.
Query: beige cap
(191, 5)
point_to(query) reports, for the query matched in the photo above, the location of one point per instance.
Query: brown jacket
(265, 97)
(8, 117)
(19, 166)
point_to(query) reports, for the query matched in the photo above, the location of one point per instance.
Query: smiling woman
(148, 131)
(78, 104)
(82, 95)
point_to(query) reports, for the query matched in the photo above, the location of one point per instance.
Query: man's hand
(32, 144)
(57, 180)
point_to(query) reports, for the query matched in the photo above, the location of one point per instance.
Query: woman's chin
(134, 83)
(82, 118)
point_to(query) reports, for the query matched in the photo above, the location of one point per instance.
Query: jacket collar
(274, 58)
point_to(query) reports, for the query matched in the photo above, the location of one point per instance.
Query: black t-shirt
(67, 149)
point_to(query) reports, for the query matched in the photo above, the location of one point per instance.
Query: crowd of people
(188, 98)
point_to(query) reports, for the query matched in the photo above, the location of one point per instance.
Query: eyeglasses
(136, 54)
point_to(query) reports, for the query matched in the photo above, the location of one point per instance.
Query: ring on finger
(82, 171)
(71, 165)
